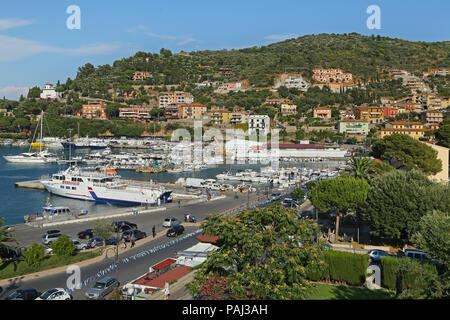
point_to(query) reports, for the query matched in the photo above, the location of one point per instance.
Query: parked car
(289, 203)
(95, 242)
(122, 226)
(112, 242)
(47, 239)
(24, 294)
(85, 234)
(419, 255)
(80, 245)
(376, 255)
(55, 294)
(10, 253)
(133, 235)
(102, 287)
(175, 231)
(170, 221)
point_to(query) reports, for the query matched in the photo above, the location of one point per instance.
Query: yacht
(104, 186)
(41, 157)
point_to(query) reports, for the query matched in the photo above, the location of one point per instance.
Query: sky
(36, 45)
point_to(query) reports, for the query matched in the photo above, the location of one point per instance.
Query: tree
(298, 193)
(361, 167)
(63, 246)
(34, 255)
(408, 152)
(398, 200)
(5, 235)
(443, 133)
(34, 92)
(104, 230)
(432, 236)
(341, 193)
(262, 254)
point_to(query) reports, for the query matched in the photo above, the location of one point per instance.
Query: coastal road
(26, 235)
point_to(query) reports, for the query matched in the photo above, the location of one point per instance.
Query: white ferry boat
(106, 187)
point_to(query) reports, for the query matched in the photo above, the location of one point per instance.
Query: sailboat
(41, 157)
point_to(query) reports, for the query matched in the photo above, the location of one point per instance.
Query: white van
(47, 238)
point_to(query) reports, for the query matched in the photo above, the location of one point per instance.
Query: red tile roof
(164, 264)
(207, 239)
(160, 281)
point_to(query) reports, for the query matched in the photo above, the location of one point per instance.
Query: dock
(31, 184)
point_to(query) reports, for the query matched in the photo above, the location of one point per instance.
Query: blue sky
(37, 47)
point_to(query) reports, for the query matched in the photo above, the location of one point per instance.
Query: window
(74, 188)
(67, 187)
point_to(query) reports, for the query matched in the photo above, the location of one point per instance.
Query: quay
(31, 184)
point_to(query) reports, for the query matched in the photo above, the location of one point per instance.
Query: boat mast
(42, 119)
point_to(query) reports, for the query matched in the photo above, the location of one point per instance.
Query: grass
(20, 268)
(334, 292)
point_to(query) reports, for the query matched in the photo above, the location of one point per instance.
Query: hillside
(367, 58)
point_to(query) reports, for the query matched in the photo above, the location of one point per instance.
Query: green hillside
(367, 58)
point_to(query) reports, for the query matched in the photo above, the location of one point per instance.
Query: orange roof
(353, 120)
(164, 264)
(405, 129)
(207, 239)
(406, 123)
(160, 281)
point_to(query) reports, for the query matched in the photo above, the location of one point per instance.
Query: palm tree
(5, 235)
(361, 167)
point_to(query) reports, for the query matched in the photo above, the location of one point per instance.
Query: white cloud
(181, 40)
(10, 23)
(280, 37)
(13, 49)
(13, 93)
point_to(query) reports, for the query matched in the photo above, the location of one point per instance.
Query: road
(134, 269)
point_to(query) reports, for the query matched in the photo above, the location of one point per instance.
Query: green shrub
(34, 255)
(63, 246)
(390, 268)
(341, 266)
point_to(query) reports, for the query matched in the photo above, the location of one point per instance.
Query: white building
(297, 83)
(49, 92)
(195, 255)
(259, 124)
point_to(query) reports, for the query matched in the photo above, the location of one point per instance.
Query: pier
(31, 184)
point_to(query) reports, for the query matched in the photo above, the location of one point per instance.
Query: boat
(84, 143)
(104, 187)
(41, 157)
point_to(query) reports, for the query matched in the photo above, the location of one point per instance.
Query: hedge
(389, 267)
(347, 267)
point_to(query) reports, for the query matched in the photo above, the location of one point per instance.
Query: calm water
(17, 202)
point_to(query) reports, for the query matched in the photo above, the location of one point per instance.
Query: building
(432, 118)
(175, 98)
(195, 255)
(443, 155)
(192, 111)
(322, 112)
(221, 117)
(389, 112)
(239, 117)
(413, 129)
(331, 75)
(135, 112)
(296, 82)
(227, 87)
(140, 76)
(398, 73)
(93, 110)
(171, 112)
(374, 115)
(49, 92)
(288, 108)
(259, 124)
(353, 127)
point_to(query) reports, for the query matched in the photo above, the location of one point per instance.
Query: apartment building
(331, 75)
(93, 110)
(374, 114)
(239, 117)
(288, 108)
(171, 112)
(258, 124)
(398, 73)
(221, 117)
(322, 112)
(432, 118)
(175, 98)
(193, 111)
(135, 112)
(296, 82)
(227, 87)
(413, 129)
(351, 127)
(389, 112)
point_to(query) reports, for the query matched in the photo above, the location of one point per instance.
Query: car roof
(104, 280)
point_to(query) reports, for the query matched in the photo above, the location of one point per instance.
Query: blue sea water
(15, 203)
